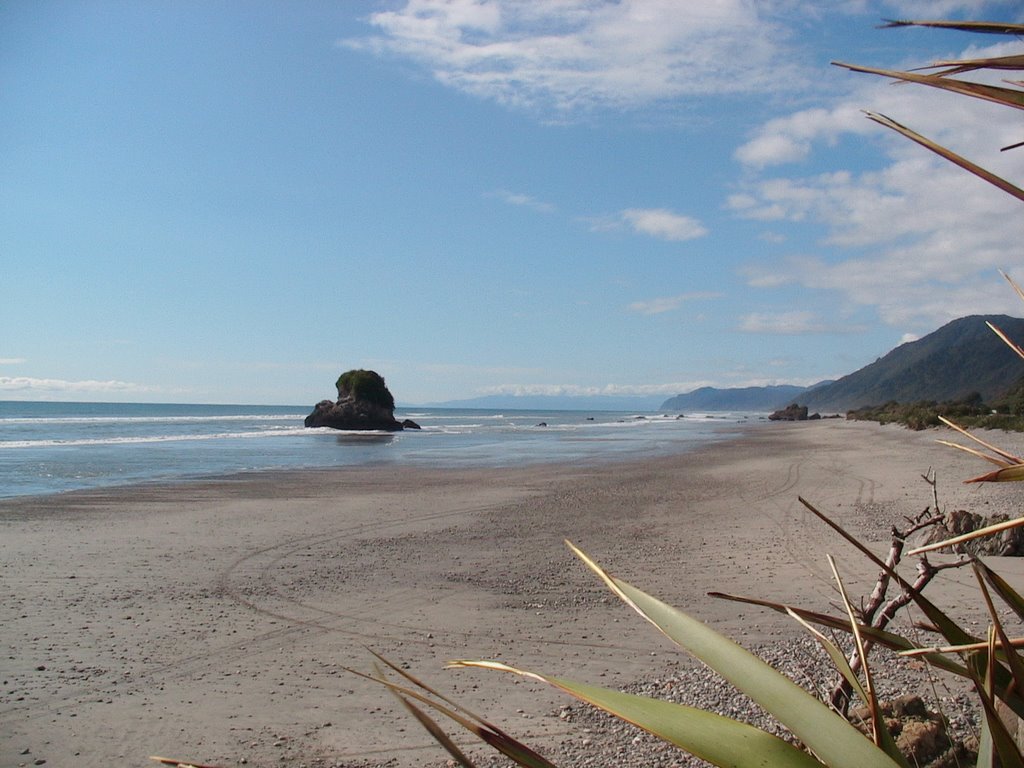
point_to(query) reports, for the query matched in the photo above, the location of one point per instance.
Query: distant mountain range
(736, 399)
(639, 403)
(961, 357)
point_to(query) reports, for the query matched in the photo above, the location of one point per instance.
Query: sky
(235, 202)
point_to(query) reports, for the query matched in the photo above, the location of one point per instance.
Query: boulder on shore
(1006, 543)
(364, 403)
(792, 412)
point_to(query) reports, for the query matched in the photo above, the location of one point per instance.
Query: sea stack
(364, 403)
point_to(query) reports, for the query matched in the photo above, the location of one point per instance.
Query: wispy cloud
(664, 304)
(949, 119)
(664, 224)
(523, 200)
(790, 324)
(30, 384)
(789, 139)
(629, 390)
(934, 9)
(577, 55)
(579, 390)
(659, 223)
(12, 360)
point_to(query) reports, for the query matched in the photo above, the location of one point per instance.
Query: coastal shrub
(1012, 403)
(365, 385)
(970, 411)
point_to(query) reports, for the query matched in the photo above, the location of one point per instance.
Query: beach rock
(791, 412)
(920, 735)
(410, 424)
(364, 403)
(1008, 543)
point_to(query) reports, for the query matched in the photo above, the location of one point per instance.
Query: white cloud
(736, 380)
(779, 323)
(791, 323)
(581, 54)
(917, 238)
(788, 139)
(30, 384)
(523, 200)
(579, 390)
(12, 360)
(936, 9)
(663, 224)
(964, 124)
(920, 241)
(663, 304)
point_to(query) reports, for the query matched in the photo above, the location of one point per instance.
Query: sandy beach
(212, 620)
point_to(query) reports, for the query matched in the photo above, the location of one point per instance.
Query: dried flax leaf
(1009, 97)
(975, 452)
(985, 27)
(869, 689)
(483, 730)
(886, 639)
(1014, 642)
(1009, 458)
(999, 637)
(879, 730)
(986, 531)
(947, 154)
(1012, 474)
(959, 66)
(1009, 342)
(1003, 745)
(431, 726)
(1017, 289)
(1009, 595)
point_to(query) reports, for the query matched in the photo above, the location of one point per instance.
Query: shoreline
(38, 465)
(211, 620)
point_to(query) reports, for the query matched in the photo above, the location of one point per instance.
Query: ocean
(48, 447)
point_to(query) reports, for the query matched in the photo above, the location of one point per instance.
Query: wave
(150, 419)
(128, 440)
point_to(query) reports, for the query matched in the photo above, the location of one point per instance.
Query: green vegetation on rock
(365, 385)
(970, 411)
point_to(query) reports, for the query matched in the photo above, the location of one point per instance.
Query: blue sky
(235, 202)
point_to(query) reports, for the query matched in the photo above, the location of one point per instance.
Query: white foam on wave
(150, 419)
(423, 417)
(128, 440)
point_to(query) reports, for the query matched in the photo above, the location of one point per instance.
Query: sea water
(48, 447)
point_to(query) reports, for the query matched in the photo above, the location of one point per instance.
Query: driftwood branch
(878, 612)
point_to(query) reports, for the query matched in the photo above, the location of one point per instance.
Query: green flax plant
(822, 737)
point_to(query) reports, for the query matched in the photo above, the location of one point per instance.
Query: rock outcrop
(1008, 543)
(792, 412)
(920, 735)
(364, 403)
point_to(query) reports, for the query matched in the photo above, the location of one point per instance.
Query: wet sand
(212, 620)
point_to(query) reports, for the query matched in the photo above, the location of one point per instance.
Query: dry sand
(212, 620)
